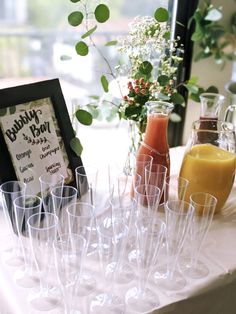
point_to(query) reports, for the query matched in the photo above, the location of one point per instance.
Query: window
(37, 34)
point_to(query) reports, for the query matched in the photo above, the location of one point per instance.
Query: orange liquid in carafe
(209, 169)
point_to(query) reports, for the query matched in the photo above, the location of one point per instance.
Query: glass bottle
(210, 165)
(155, 141)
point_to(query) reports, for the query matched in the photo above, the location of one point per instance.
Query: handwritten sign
(33, 139)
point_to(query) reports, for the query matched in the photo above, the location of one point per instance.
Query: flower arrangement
(153, 61)
(149, 60)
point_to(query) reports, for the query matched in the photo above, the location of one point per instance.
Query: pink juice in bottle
(155, 141)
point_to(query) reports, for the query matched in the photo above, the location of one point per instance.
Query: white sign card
(34, 142)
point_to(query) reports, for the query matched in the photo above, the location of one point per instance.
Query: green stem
(111, 73)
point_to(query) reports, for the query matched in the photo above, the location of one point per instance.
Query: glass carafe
(155, 141)
(210, 160)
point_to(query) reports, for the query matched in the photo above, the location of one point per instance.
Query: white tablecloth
(215, 294)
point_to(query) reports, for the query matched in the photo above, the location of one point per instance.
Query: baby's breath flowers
(150, 60)
(153, 63)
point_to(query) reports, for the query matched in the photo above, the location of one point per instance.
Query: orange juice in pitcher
(210, 166)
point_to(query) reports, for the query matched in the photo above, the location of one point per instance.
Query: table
(215, 294)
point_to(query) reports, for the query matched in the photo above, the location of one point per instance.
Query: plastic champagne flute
(179, 216)
(150, 231)
(43, 230)
(9, 192)
(24, 207)
(69, 254)
(204, 205)
(81, 221)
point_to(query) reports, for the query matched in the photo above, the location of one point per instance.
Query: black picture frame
(13, 96)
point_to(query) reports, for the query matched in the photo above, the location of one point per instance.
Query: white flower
(148, 41)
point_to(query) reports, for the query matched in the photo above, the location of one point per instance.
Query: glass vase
(136, 133)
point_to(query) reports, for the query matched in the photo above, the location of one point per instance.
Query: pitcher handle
(228, 111)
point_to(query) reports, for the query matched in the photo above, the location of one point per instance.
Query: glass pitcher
(209, 162)
(211, 104)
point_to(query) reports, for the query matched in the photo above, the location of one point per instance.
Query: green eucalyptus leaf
(111, 43)
(212, 89)
(105, 84)
(94, 110)
(76, 146)
(102, 13)
(81, 48)
(193, 80)
(177, 98)
(3, 112)
(162, 96)
(74, 1)
(161, 15)
(146, 68)
(139, 75)
(95, 97)
(89, 32)
(198, 16)
(108, 111)
(198, 34)
(201, 90)
(65, 58)
(113, 114)
(163, 80)
(213, 15)
(75, 18)
(84, 117)
(192, 88)
(195, 97)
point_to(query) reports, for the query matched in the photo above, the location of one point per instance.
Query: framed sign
(35, 134)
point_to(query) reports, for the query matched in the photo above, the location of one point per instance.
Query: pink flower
(130, 85)
(141, 80)
(137, 89)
